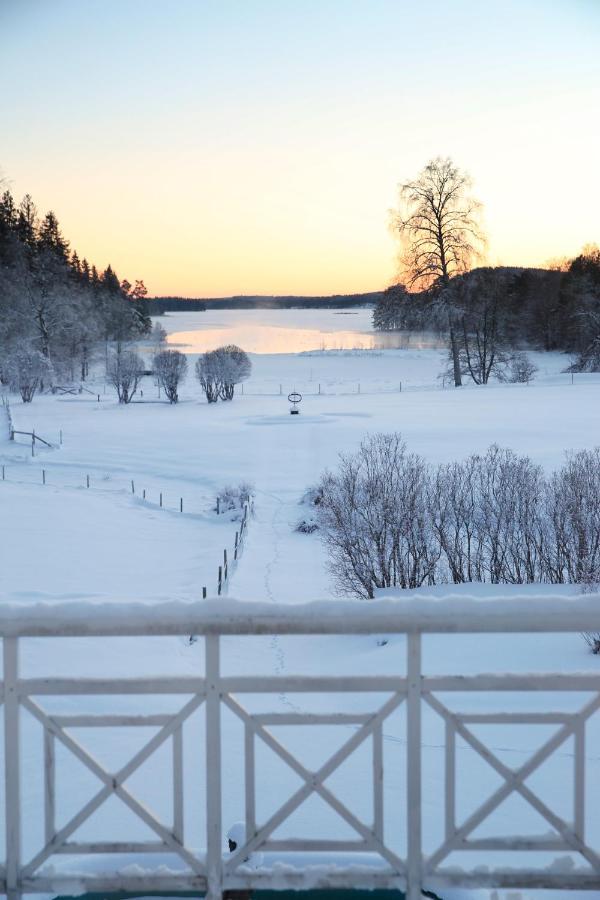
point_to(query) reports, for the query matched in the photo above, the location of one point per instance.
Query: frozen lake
(286, 331)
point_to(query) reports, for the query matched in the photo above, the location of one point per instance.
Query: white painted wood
(579, 781)
(109, 721)
(178, 784)
(214, 830)
(413, 768)
(12, 794)
(49, 786)
(249, 781)
(314, 783)
(514, 781)
(450, 781)
(378, 782)
(421, 615)
(386, 693)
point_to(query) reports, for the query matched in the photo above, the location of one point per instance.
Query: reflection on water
(303, 331)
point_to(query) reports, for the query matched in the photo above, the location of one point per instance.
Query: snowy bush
(25, 370)
(572, 548)
(231, 498)
(519, 369)
(124, 371)
(375, 519)
(389, 520)
(170, 367)
(220, 370)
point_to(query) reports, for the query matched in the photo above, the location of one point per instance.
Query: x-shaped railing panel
(372, 838)
(171, 839)
(514, 781)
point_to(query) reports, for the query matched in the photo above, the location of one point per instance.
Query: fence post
(132, 487)
(181, 504)
(87, 480)
(11, 768)
(400, 387)
(43, 476)
(160, 500)
(225, 565)
(204, 593)
(218, 506)
(235, 549)
(60, 437)
(33, 443)
(413, 768)
(220, 581)
(214, 837)
(2, 473)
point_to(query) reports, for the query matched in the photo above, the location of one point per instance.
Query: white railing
(372, 858)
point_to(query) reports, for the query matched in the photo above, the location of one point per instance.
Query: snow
(66, 550)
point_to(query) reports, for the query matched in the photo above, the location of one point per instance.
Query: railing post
(413, 767)
(214, 873)
(12, 793)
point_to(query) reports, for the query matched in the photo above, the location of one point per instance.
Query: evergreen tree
(50, 237)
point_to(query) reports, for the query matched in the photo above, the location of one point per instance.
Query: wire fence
(24, 474)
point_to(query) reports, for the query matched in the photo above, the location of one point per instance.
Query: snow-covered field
(63, 541)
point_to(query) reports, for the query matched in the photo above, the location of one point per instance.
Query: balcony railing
(375, 857)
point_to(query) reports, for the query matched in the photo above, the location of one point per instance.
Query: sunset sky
(214, 147)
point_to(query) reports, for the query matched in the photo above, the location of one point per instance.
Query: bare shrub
(234, 497)
(573, 516)
(509, 516)
(520, 369)
(124, 370)
(170, 367)
(453, 503)
(374, 518)
(25, 370)
(388, 520)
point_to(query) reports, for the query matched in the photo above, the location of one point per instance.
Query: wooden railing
(372, 858)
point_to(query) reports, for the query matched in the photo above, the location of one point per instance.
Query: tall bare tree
(438, 224)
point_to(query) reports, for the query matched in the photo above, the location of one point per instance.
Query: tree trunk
(455, 354)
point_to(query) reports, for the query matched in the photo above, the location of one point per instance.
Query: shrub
(170, 367)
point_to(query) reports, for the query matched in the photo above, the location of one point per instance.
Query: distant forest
(503, 308)
(158, 305)
(56, 308)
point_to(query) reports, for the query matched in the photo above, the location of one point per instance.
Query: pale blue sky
(218, 147)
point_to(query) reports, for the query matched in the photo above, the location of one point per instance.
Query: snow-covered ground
(63, 541)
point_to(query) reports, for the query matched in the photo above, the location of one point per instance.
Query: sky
(216, 147)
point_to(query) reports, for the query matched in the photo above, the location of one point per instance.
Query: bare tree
(234, 367)
(25, 370)
(124, 370)
(207, 373)
(170, 367)
(220, 370)
(158, 337)
(438, 224)
(477, 299)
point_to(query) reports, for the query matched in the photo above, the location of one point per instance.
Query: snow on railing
(372, 858)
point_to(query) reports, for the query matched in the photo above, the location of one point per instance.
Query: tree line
(56, 309)
(485, 311)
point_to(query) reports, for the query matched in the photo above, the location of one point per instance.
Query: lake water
(286, 331)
